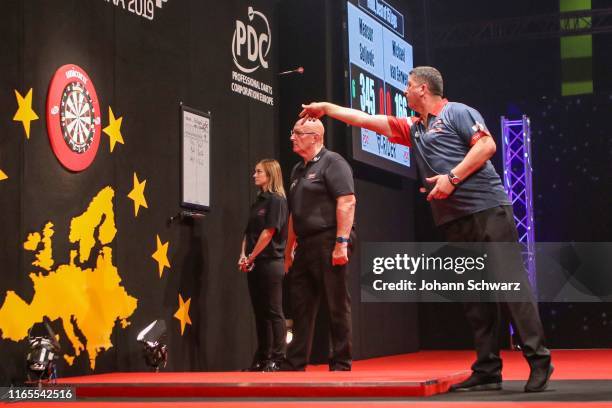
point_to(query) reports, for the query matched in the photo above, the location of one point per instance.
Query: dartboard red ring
(73, 117)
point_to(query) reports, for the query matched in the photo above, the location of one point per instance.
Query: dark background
(143, 70)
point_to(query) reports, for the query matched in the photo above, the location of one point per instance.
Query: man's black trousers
(497, 225)
(313, 279)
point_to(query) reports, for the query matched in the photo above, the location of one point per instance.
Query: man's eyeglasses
(300, 134)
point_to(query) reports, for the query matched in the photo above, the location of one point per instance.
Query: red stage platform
(409, 375)
(314, 384)
(267, 385)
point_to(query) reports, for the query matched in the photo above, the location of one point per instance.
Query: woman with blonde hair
(264, 241)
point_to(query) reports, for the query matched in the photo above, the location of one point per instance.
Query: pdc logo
(251, 42)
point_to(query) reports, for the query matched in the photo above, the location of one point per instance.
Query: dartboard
(73, 117)
(77, 115)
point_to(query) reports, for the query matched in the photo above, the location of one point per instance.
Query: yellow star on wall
(25, 114)
(137, 195)
(3, 175)
(161, 256)
(113, 130)
(182, 314)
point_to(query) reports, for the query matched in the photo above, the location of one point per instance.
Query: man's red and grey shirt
(440, 145)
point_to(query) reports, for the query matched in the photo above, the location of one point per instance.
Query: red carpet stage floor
(569, 364)
(419, 378)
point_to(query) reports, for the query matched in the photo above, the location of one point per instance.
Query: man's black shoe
(538, 379)
(340, 368)
(344, 365)
(478, 383)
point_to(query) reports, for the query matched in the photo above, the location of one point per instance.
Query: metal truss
(516, 143)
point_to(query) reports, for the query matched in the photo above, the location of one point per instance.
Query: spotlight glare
(154, 352)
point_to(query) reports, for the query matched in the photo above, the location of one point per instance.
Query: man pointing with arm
(452, 148)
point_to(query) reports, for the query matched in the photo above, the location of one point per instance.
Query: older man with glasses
(321, 212)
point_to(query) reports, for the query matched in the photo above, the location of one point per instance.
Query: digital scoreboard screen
(379, 63)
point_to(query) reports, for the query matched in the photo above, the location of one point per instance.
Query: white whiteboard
(195, 129)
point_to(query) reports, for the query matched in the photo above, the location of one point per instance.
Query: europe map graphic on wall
(93, 298)
(86, 295)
